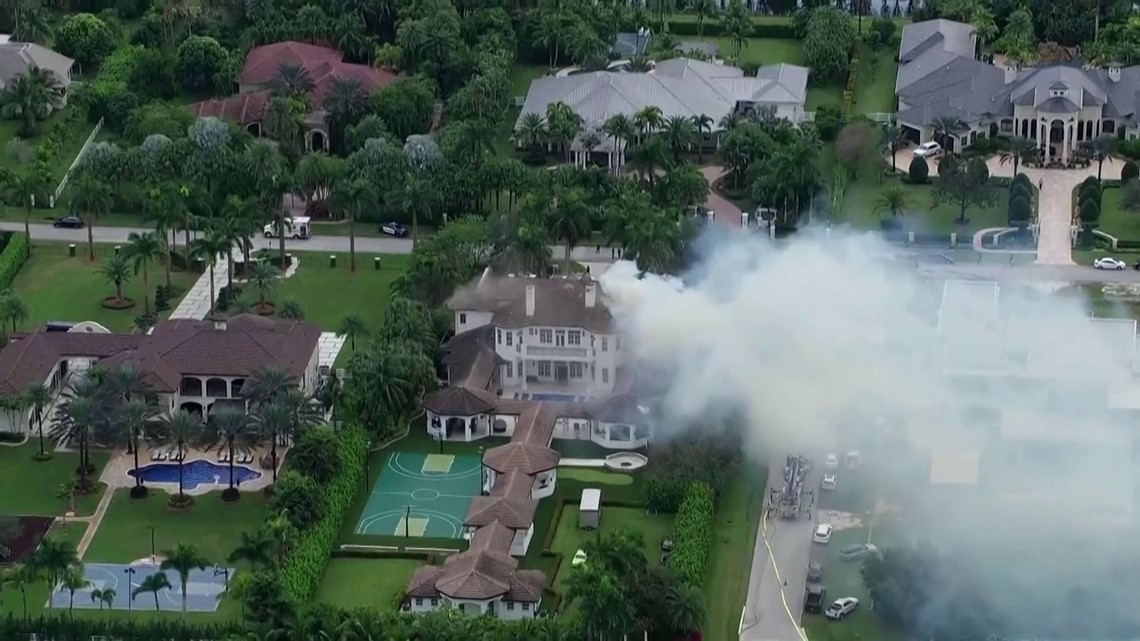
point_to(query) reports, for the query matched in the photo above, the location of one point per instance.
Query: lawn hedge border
(712, 29)
(13, 257)
(692, 534)
(301, 574)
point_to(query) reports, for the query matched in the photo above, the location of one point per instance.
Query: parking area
(903, 158)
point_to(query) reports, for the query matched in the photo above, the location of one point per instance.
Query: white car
(842, 607)
(828, 482)
(928, 150)
(579, 559)
(822, 533)
(831, 462)
(1109, 262)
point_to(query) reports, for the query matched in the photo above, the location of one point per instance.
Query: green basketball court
(422, 495)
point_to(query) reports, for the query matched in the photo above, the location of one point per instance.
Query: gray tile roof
(678, 87)
(1058, 106)
(930, 45)
(17, 57)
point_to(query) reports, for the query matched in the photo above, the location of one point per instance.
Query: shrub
(13, 257)
(692, 534)
(316, 455)
(1130, 171)
(86, 38)
(918, 171)
(1130, 195)
(1022, 179)
(298, 497)
(302, 571)
(1020, 212)
(828, 121)
(1089, 192)
(1020, 190)
(696, 458)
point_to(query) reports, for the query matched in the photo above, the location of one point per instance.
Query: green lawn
(1117, 221)
(57, 287)
(591, 475)
(211, 524)
(761, 51)
(569, 538)
(377, 584)
(522, 75)
(844, 578)
(328, 293)
(726, 579)
(73, 142)
(29, 486)
(875, 87)
(921, 216)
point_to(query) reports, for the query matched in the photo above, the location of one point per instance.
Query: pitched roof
(476, 575)
(17, 57)
(323, 64)
(517, 514)
(531, 459)
(621, 408)
(31, 359)
(423, 580)
(558, 302)
(242, 108)
(929, 45)
(459, 401)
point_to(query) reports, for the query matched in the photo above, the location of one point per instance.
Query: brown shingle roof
(459, 401)
(525, 458)
(559, 302)
(526, 585)
(476, 575)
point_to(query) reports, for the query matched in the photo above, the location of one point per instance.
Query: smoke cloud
(825, 344)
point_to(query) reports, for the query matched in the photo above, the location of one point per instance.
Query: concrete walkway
(196, 304)
(725, 212)
(92, 521)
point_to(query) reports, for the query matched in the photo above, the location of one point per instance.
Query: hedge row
(712, 29)
(692, 534)
(13, 257)
(852, 78)
(304, 567)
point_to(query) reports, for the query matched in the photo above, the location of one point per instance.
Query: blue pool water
(195, 473)
(554, 397)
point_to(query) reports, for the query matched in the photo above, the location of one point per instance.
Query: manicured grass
(589, 475)
(761, 51)
(522, 75)
(818, 96)
(726, 580)
(377, 584)
(921, 216)
(29, 486)
(212, 525)
(1117, 221)
(73, 142)
(56, 287)
(328, 293)
(875, 87)
(844, 578)
(569, 538)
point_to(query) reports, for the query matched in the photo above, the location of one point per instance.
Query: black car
(68, 222)
(815, 573)
(814, 599)
(1136, 266)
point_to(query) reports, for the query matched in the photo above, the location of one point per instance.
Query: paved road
(773, 610)
(364, 244)
(1070, 273)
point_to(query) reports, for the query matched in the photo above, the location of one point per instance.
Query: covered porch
(460, 414)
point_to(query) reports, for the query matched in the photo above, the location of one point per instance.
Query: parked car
(815, 573)
(68, 222)
(579, 558)
(1136, 266)
(856, 551)
(828, 482)
(1109, 262)
(814, 597)
(928, 150)
(822, 533)
(842, 607)
(831, 462)
(394, 229)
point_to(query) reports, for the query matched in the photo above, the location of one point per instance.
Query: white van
(298, 228)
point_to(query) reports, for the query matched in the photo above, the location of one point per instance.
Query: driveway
(903, 158)
(725, 212)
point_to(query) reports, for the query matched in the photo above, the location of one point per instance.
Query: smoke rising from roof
(824, 345)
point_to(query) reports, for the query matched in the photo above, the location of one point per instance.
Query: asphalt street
(773, 609)
(1069, 273)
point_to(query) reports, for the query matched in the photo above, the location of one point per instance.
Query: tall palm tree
(893, 199)
(266, 279)
(703, 9)
(686, 611)
(894, 137)
(274, 423)
(352, 326)
(209, 247)
(569, 222)
(12, 308)
(132, 418)
(166, 218)
(141, 251)
(90, 199)
(33, 24)
(704, 127)
(353, 199)
(52, 558)
(24, 188)
(256, 548)
(20, 576)
(291, 80)
(944, 127)
(39, 399)
(265, 385)
(680, 133)
(117, 271)
(228, 428)
(648, 120)
(73, 580)
(418, 198)
(620, 128)
(178, 429)
(1102, 147)
(31, 97)
(345, 103)
(184, 559)
(532, 130)
(154, 584)
(1018, 151)
(105, 597)
(76, 420)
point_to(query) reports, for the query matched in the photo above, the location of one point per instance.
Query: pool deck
(115, 475)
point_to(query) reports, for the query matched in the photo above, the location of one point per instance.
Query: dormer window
(1058, 90)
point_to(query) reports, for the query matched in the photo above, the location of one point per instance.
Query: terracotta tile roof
(526, 585)
(476, 575)
(559, 302)
(243, 108)
(423, 580)
(522, 457)
(517, 514)
(323, 64)
(459, 401)
(493, 537)
(31, 359)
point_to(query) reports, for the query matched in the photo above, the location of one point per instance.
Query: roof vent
(530, 300)
(591, 295)
(1114, 71)
(220, 325)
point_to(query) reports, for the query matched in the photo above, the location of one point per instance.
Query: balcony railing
(550, 350)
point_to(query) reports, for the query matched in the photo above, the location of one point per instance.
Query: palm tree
(532, 130)
(418, 198)
(154, 584)
(290, 309)
(73, 580)
(141, 249)
(131, 418)
(648, 120)
(680, 133)
(183, 559)
(39, 398)
(208, 247)
(620, 128)
(166, 218)
(179, 429)
(686, 611)
(944, 127)
(12, 308)
(266, 280)
(1102, 147)
(227, 428)
(23, 189)
(345, 103)
(274, 423)
(117, 271)
(20, 576)
(353, 199)
(33, 24)
(569, 221)
(894, 137)
(1018, 151)
(52, 558)
(704, 127)
(105, 597)
(291, 80)
(256, 548)
(893, 199)
(31, 97)
(703, 9)
(90, 199)
(352, 326)
(76, 420)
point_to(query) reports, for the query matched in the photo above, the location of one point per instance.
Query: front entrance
(561, 372)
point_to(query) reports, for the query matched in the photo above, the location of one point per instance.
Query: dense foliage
(13, 257)
(696, 457)
(693, 534)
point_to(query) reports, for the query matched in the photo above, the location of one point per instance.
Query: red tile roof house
(323, 64)
(190, 364)
(533, 360)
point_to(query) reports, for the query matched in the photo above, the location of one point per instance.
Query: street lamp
(153, 556)
(130, 572)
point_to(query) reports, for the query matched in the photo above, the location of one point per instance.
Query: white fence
(74, 163)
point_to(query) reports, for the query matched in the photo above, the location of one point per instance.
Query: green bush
(1022, 179)
(1089, 192)
(549, 540)
(13, 257)
(1020, 190)
(760, 29)
(692, 535)
(302, 571)
(1130, 171)
(918, 171)
(1020, 212)
(1130, 195)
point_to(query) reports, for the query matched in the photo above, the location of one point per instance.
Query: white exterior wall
(469, 320)
(522, 541)
(603, 434)
(419, 605)
(544, 483)
(512, 611)
(505, 610)
(600, 355)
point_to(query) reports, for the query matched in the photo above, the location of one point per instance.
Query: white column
(1048, 139)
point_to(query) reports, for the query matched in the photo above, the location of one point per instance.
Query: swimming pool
(195, 473)
(545, 396)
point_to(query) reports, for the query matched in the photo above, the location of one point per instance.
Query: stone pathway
(329, 346)
(725, 212)
(196, 304)
(92, 521)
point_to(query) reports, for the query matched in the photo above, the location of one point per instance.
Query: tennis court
(421, 495)
(118, 582)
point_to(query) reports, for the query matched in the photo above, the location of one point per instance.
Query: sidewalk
(196, 304)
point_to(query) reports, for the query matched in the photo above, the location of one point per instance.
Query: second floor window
(510, 369)
(573, 337)
(605, 343)
(462, 319)
(499, 336)
(545, 336)
(605, 375)
(510, 338)
(575, 369)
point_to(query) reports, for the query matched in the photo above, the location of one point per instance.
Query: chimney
(1010, 73)
(1114, 71)
(591, 294)
(530, 300)
(220, 325)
